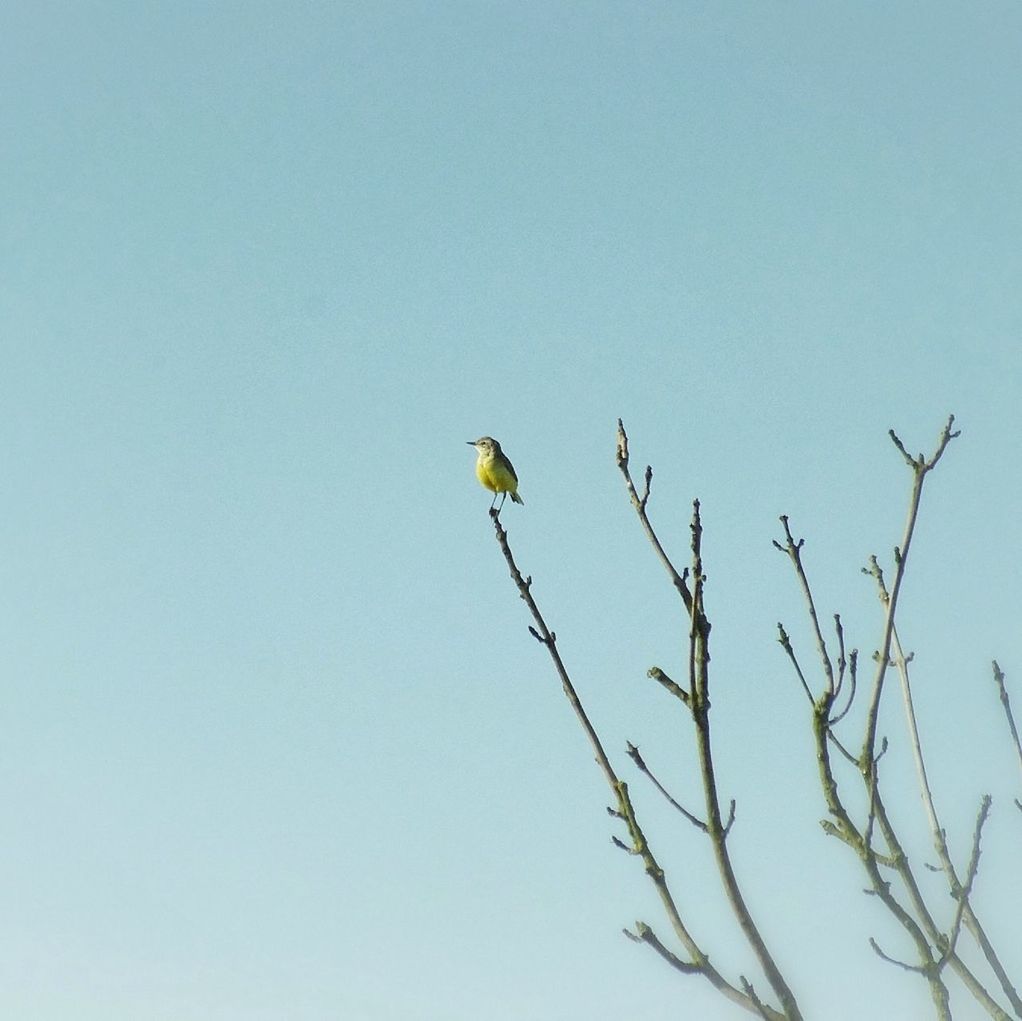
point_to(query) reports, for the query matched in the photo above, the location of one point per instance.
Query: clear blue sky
(276, 742)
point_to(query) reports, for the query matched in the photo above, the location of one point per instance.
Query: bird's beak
(471, 443)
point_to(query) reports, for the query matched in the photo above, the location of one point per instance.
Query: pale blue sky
(276, 742)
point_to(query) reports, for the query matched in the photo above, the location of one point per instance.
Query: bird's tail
(517, 499)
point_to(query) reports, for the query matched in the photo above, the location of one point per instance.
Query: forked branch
(1002, 692)
(697, 700)
(699, 962)
(921, 467)
(935, 949)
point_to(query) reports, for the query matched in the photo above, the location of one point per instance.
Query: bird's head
(486, 445)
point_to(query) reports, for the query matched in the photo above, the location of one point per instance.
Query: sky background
(276, 741)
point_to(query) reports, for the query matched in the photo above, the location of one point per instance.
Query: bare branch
(946, 437)
(924, 933)
(639, 503)
(785, 643)
(871, 779)
(965, 909)
(862, 842)
(794, 552)
(918, 969)
(965, 892)
(901, 446)
(644, 934)
(936, 830)
(625, 809)
(853, 680)
(920, 467)
(673, 687)
(699, 705)
(930, 972)
(1002, 691)
(640, 763)
(758, 1005)
(699, 660)
(730, 819)
(842, 661)
(930, 929)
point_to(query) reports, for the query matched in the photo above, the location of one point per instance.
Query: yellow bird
(494, 470)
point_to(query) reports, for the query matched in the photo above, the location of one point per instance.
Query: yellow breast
(495, 476)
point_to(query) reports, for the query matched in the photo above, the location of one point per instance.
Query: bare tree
(874, 837)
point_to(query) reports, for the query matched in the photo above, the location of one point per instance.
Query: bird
(495, 471)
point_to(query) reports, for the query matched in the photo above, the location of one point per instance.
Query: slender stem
(700, 658)
(794, 551)
(861, 842)
(1002, 691)
(939, 837)
(699, 705)
(965, 911)
(891, 605)
(639, 503)
(921, 467)
(929, 926)
(625, 810)
(921, 927)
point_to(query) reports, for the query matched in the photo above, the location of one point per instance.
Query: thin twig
(644, 934)
(625, 809)
(924, 933)
(673, 687)
(964, 893)
(760, 1006)
(900, 863)
(918, 969)
(794, 551)
(853, 680)
(730, 819)
(640, 763)
(936, 830)
(965, 909)
(842, 661)
(1002, 691)
(699, 706)
(639, 503)
(785, 643)
(920, 468)
(842, 825)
